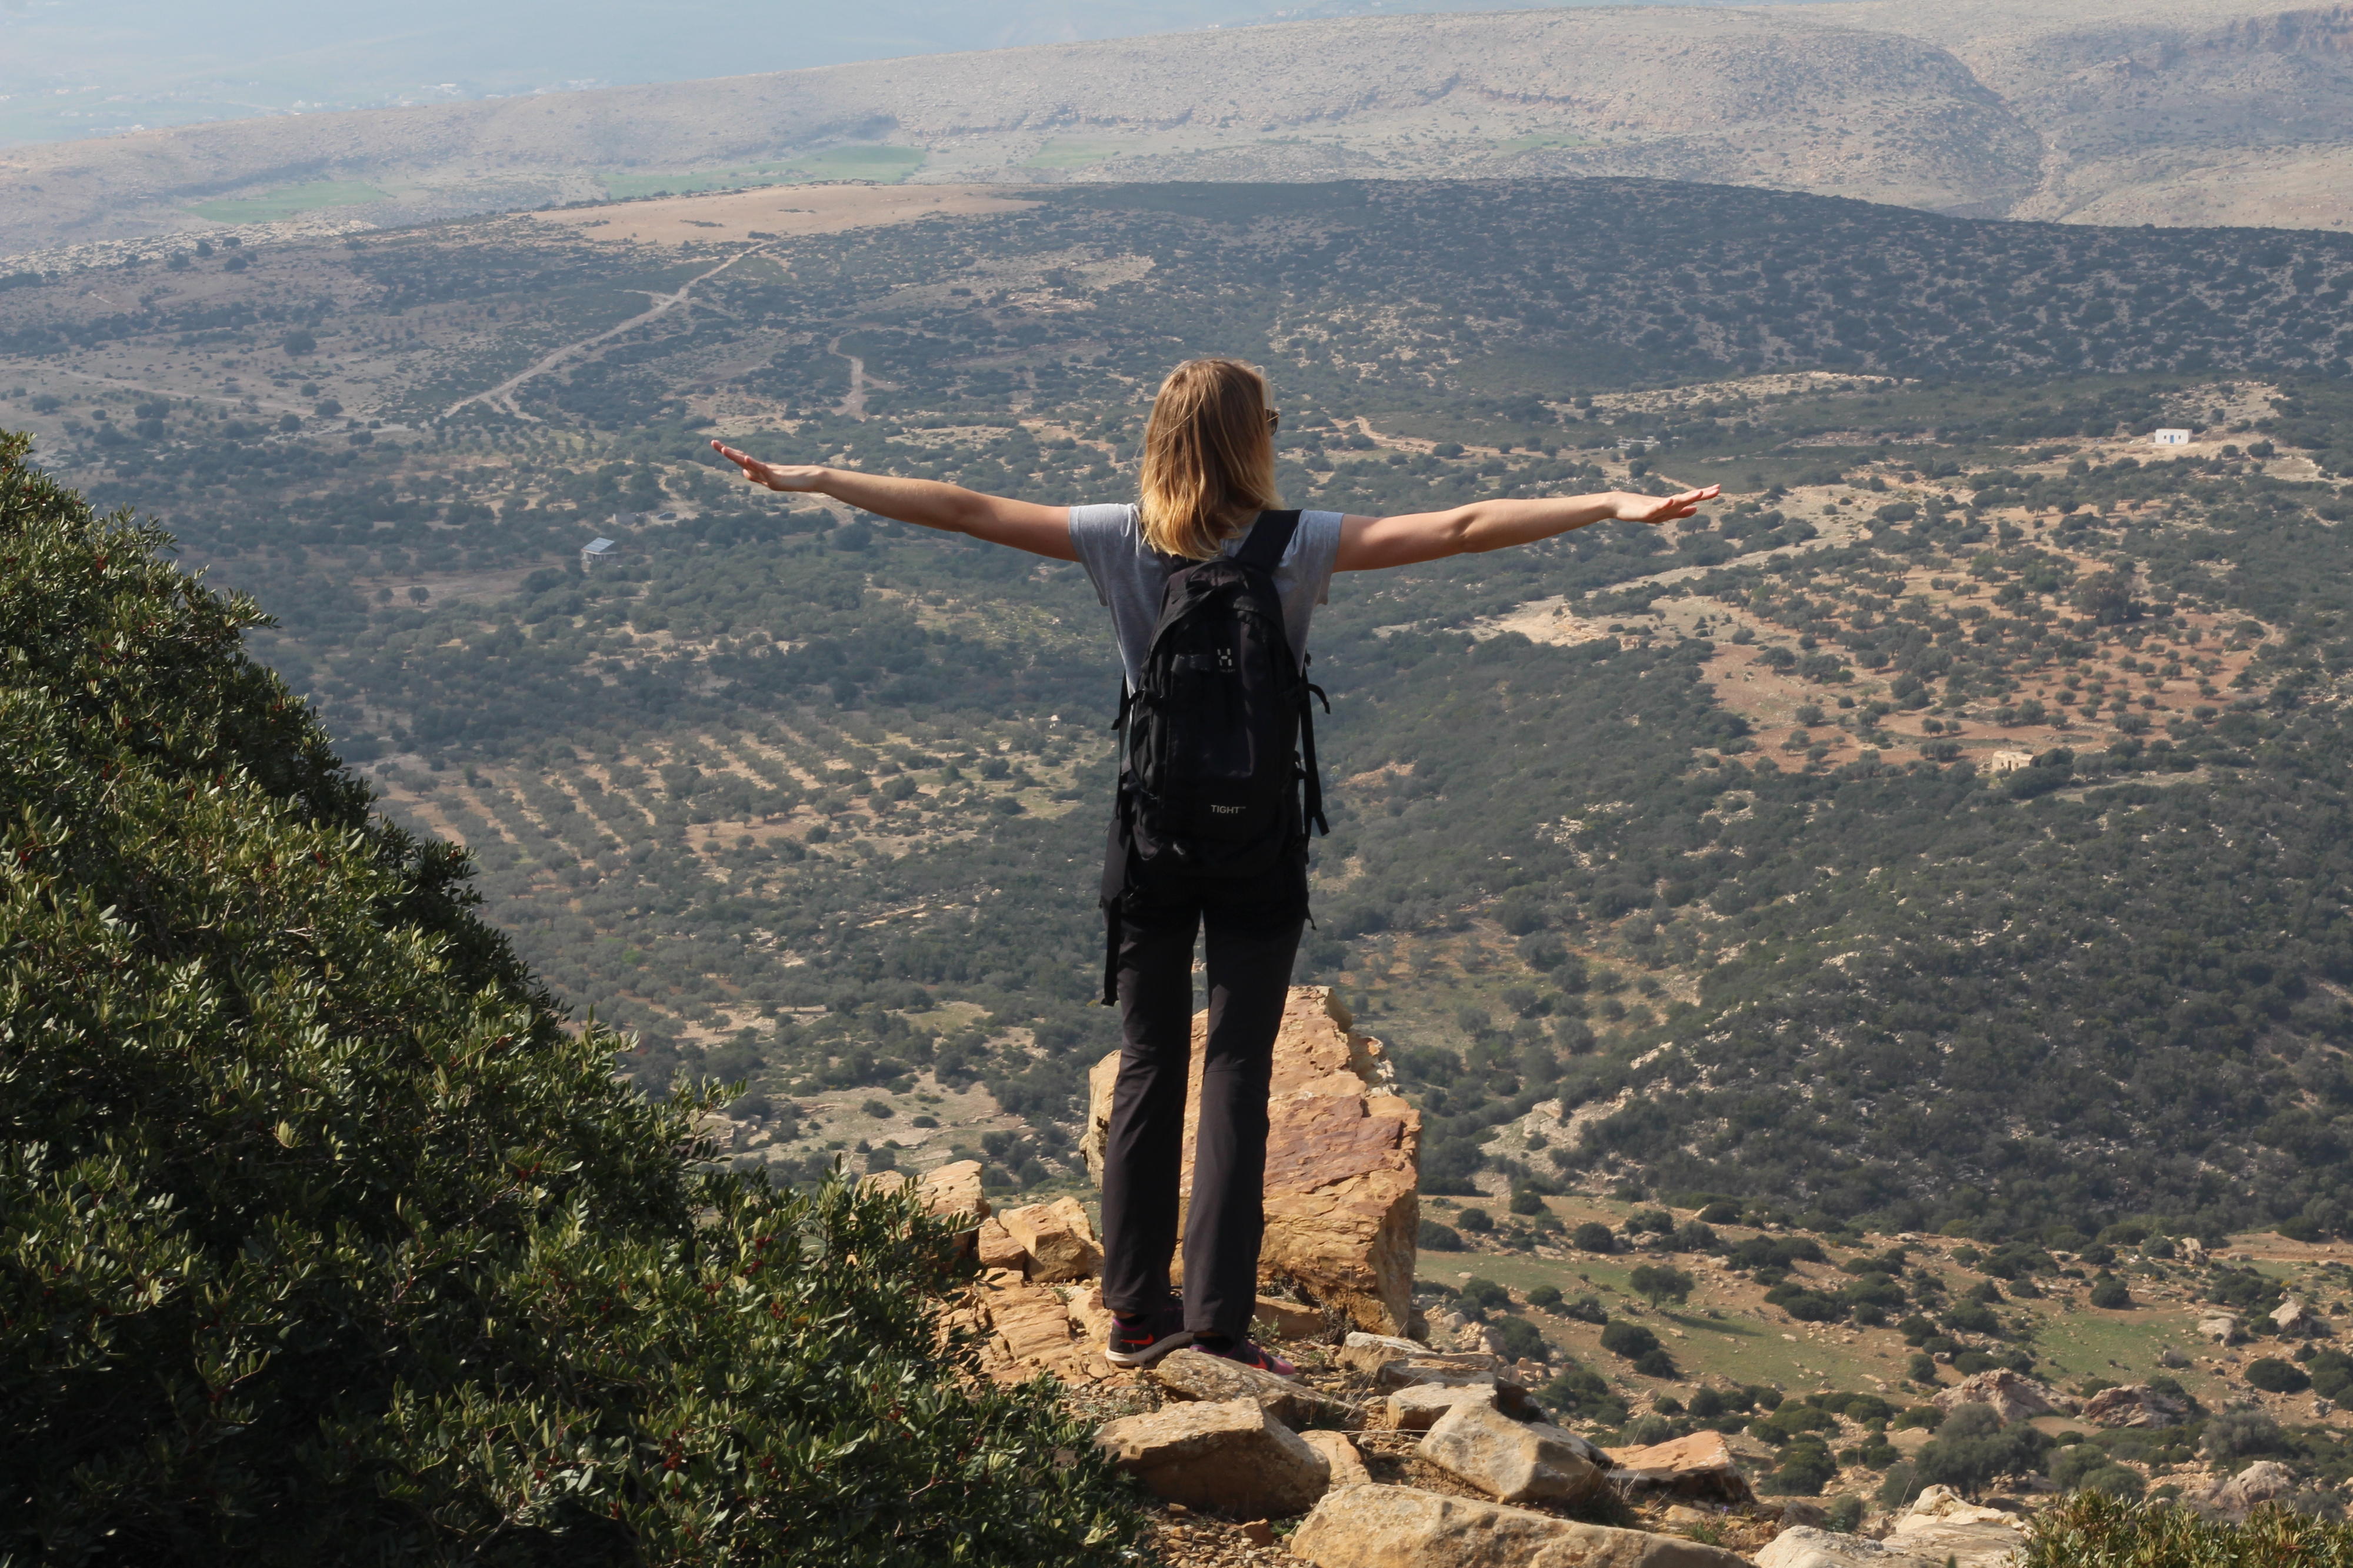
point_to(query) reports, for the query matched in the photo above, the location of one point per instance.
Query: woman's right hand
(788, 476)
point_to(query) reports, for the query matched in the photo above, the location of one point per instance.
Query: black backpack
(1211, 777)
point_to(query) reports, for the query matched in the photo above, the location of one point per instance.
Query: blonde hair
(1209, 458)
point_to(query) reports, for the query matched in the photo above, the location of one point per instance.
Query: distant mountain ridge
(2239, 113)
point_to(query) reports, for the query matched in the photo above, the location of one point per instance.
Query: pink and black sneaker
(1139, 1341)
(1245, 1353)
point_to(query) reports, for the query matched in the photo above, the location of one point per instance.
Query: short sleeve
(1316, 551)
(1106, 539)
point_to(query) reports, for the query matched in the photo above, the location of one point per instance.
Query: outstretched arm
(1371, 543)
(926, 503)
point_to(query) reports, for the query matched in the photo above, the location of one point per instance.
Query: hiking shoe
(1140, 1341)
(1249, 1353)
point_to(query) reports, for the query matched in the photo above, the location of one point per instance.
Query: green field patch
(291, 201)
(885, 165)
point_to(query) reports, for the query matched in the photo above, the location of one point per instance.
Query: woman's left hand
(788, 476)
(1661, 509)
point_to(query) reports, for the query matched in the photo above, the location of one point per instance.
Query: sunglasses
(1273, 420)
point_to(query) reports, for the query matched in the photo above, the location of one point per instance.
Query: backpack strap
(1270, 537)
(1310, 694)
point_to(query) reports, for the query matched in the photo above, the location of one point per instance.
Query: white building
(597, 549)
(2168, 439)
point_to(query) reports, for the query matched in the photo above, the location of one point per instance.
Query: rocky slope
(2235, 111)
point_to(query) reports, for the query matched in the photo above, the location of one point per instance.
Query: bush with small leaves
(1657, 1364)
(2273, 1375)
(1544, 1297)
(1594, 1237)
(1805, 1469)
(1523, 1341)
(327, 1238)
(1721, 1212)
(1432, 1236)
(1475, 1221)
(1845, 1513)
(1585, 1309)
(1484, 1294)
(2095, 1529)
(1527, 1200)
(2109, 1291)
(1627, 1340)
(1579, 1392)
(2241, 1434)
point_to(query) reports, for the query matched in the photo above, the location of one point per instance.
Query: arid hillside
(2234, 111)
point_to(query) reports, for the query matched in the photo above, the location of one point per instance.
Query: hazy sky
(86, 67)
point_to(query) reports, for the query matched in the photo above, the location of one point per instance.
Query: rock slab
(1697, 1468)
(1941, 1525)
(2133, 1404)
(1233, 1459)
(1057, 1237)
(1419, 1409)
(1804, 1546)
(1206, 1379)
(1343, 1162)
(1379, 1526)
(945, 1189)
(2013, 1395)
(1340, 1452)
(1514, 1461)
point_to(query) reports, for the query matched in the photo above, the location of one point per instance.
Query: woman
(1207, 489)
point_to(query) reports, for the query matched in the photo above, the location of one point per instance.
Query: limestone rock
(2014, 1397)
(1803, 1546)
(2258, 1483)
(2221, 1328)
(1512, 1461)
(1288, 1320)
(949, 1189)
(1024, 1329)
(2295, 1318)
(1232, 1458)
(1378, 1526)
(2134, 1405)
(1347, 1465)
(1940, 1524)
(1208, 1379)
(998, 1248)
(1420, 1408)
(1367, 1353)
(1058, 1239)
(1695, 1469)
(1343, 1162)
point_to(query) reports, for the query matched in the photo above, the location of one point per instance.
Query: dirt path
(502, 394)
(854, 405)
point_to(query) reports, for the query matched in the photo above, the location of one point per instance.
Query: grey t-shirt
(1128, 574)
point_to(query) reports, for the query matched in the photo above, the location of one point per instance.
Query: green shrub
(321, 1237)
(1580, 1392)
(2273, 1375)
(2110, 1292)
(1484, 1294)
(1527, 1200)
(1475, 1221)
(1629, 1339)
(2090, 1530)
(1805, 1469)
(1657, 1362)
(1594, 1237)
(1845, 1514)
(1433, 1237)
(1522, 1339)
(1585, 1309)
(1544, 1297)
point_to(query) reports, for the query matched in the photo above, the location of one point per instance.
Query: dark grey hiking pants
(1253, 929)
